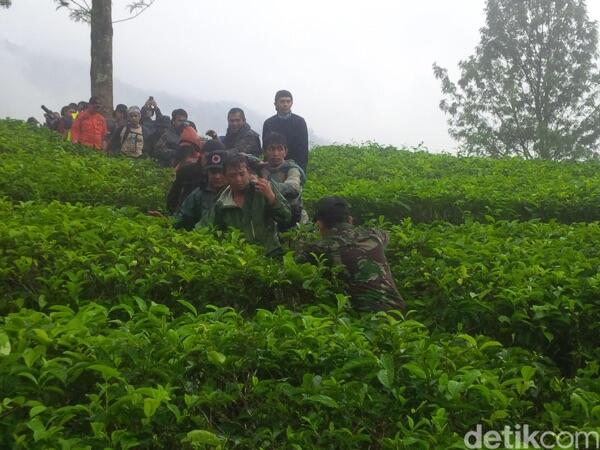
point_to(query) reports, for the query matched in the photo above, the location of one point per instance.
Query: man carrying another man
(253, 205)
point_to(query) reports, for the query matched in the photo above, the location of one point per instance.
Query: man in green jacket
(200, 202)
(253, 205)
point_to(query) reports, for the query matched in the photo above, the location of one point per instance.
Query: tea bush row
(37, 164)
(398, 184)
(61, 254)
(135, 375)
(531, 284)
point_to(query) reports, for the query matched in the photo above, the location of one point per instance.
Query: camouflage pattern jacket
(245, 140)
(195, 206)
(365, 270)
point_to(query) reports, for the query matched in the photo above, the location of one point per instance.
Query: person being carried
(240, 136)
(128, 139)
(360, 254)
(200, 202)
(286, 175)
(90, 126)
(253, 205)
(292, 126)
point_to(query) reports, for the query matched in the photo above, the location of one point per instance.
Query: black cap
(213, 145)
(163, 121)
(332, 210)
(215, 160)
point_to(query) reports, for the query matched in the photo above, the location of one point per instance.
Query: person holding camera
(250, 204)
(150, 114)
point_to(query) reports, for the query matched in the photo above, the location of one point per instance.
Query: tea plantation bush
(65, 254)
(99, 377)
(397, 184)
(37, 164)
(117, 331)
(532, 284)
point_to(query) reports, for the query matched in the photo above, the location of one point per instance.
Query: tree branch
(140, 6)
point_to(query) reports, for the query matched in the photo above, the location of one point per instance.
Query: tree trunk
(101, 70)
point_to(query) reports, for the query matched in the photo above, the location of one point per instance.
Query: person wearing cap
(188, 169)
(128, 139)
(89, 128)
(359, 252)
(292, 126)
(285, 174)
(200, 202)
(252, 205)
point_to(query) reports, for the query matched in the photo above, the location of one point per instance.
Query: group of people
(234, 181)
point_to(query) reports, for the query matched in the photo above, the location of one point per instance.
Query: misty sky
(358, 70)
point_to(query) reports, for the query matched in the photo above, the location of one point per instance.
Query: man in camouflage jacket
(359, 252)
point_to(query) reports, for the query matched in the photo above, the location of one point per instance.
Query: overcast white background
(359, 70)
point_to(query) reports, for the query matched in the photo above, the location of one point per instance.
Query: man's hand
(264, 187)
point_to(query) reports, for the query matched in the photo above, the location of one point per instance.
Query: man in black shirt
(292, 126)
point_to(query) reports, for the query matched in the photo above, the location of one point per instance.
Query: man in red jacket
(90, 126)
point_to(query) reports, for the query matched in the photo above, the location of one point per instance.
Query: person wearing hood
(128, 139)
(239, 135)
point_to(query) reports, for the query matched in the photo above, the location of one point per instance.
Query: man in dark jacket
(239, 135)
(292, 126)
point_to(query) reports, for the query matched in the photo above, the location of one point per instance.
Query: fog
(358, 71)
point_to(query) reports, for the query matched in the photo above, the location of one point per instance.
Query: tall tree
(532, 88)
(99, 16)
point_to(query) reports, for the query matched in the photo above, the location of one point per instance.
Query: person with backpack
(129, 139)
